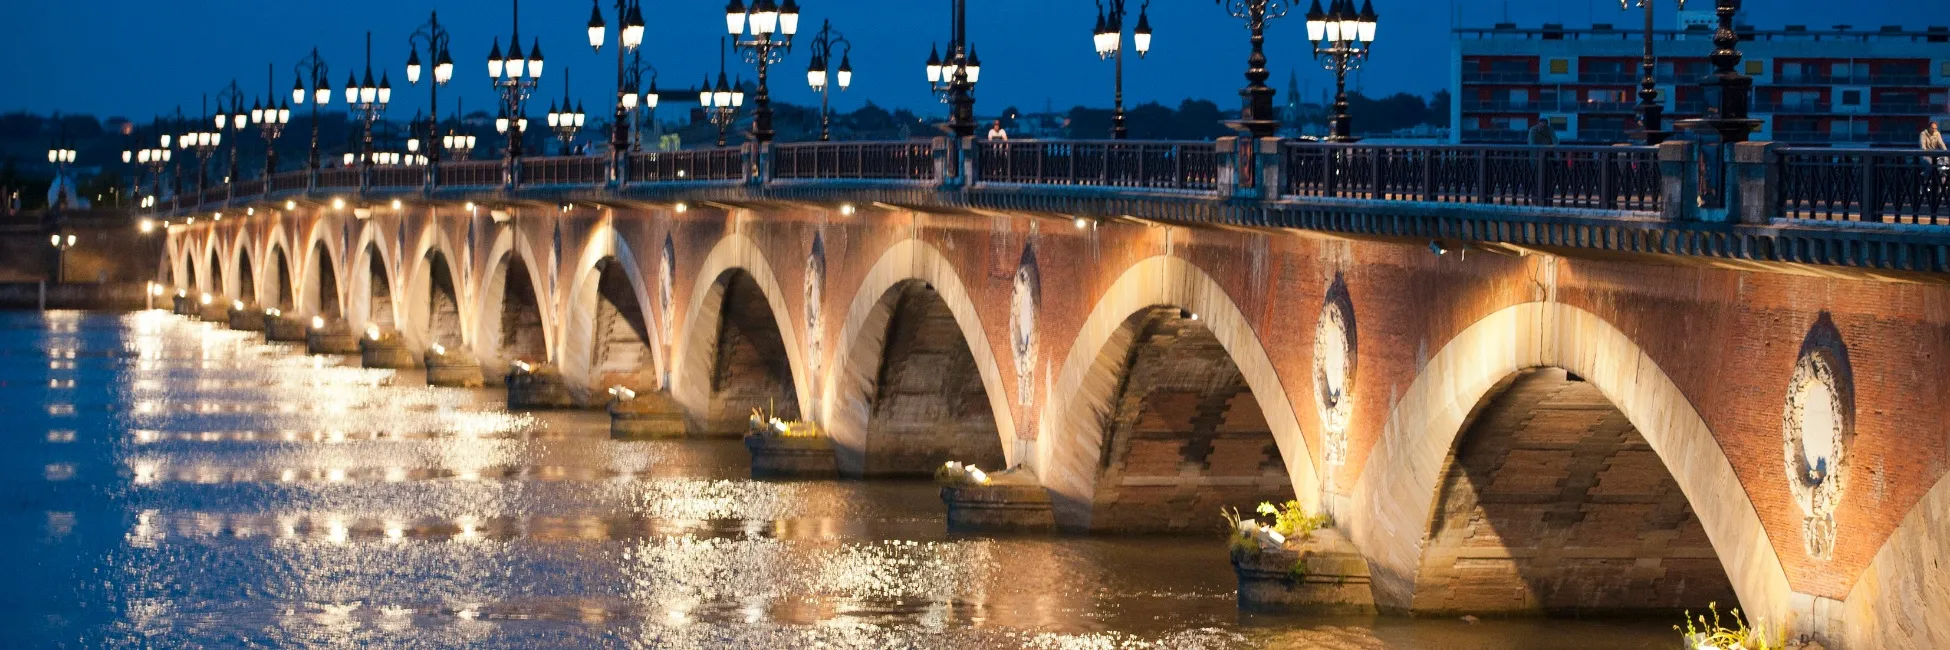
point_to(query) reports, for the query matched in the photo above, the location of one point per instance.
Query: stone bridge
(1567, 379)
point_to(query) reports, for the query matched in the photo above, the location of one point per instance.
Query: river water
(169, 483)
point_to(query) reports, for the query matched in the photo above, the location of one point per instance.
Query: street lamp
(155, 158)
(1342, 38)
(954, 78)
(312, 67)
(772, 28)
(1650, 110)
(366, 99)
(568, 121)
(61, 245)
(817, 77)
(202, 144)
(1256, 99)
(631, 36)
(458, 145)
(632, 80)
(1109, 40)
(508, 76)
(721, 103)
(271, 119)
(235, 120)
(433, 37)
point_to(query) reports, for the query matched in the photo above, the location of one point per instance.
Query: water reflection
(183, 485)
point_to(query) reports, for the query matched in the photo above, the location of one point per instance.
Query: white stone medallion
(666, 280)
(1024, 298)
(1816, 428)
(815, 297)
(1334, 367)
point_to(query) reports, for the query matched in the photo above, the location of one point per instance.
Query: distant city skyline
(139, 59)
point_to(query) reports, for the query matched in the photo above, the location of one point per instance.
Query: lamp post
(954, 77)
(1256, 111)
(367, 100)
(1108, 38)
(1651, 112)
(633, 80)
(271, 118)
(201, 144)
(1342, 38)
(456, 144)
(567, 122)
(816, 74)
(154, 158)
(721, 103)
(1730, 92)
(312, 67)
(515, 86)
(630, 35)
(60, 155)
(61, 245)
(772, 27)
(434, 38)
(235, 120)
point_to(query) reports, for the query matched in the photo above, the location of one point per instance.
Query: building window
(1754, 68)
(1560, 66)
(1560, 123)
(1851, 98)
(1945, 72)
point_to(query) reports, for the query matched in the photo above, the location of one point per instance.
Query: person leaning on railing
(1541, 133)
(1932, 140)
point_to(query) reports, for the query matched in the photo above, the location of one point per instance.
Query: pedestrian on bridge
(1541, 133)
(996, 132)
(1932, 140)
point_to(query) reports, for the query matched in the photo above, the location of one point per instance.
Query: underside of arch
(1551, 501)
(379, 297)
(324, 284)
(283, 290)
(926, 403)
(749, 363)
(442, 302)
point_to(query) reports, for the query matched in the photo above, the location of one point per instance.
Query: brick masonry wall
(929, 406)
(750, 372)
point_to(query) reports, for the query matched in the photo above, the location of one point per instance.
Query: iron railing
(907, 160)
(564, 170)
(470, 173)
(293, 180)
(1104, 163)
(398, 176)
(251, 187)
(1861, 185)
(720, 164)
(1611, 178)
(339, 178)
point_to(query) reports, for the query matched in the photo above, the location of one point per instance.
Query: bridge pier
(209, 310)
(455, 370)
(646, 415)
(332, 338)
(792, 456)
(384, 350)
(1322, 574)
(245, 317)
(182, 305)
(537, 386)
(278, 327)
(1004, 502)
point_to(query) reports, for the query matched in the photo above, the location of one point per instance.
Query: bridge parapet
(1873, 209)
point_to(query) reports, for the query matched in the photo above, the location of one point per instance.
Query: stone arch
(187, 281)
(1552, 501)
(735, 276)
(1902, 599)
(283, 292)
(511, 323)
(1393, 499)
(322, 284)
(246, 278)
(372, 287)
(850, 400)
(1071, 448)
(607, 339)
(217, 282)
(434, 301)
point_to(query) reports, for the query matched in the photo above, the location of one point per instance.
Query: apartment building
(1840, 86)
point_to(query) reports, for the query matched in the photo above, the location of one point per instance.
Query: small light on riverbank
(146, 226)
(317, 322)
(206, 299)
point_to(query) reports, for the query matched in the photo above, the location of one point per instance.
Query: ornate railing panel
(690, 165)
(294, 180)
(1612, 178)
(399, 176)
(907, 160)
(564, 170)
(245, 189)
(470, 173)
(339, 178)
(1862, 185)
(1104, 163)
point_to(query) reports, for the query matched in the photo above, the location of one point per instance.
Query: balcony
(1819, 137)
(1813, 79)
(1793, 108)
(1910, 107)
(1495, 136)
(1479, 77)
(1525, 106)
(1594, 106)
(1620, 78)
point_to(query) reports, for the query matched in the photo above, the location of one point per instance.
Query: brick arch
(1071, 437)
(243, 262)
(321, 289)
(369, 259)
(1901, 601)
(277, 265)
(858, 358)
(216, 282)
(490, 303)
(698, 347)
(606, 337)
(430, 317)
(1391, 501)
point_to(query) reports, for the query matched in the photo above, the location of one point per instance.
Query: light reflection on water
(172, 483)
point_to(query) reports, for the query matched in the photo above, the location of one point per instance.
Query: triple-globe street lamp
(953, 78)
(628, 75)
(234, 119)
(201, 144)
(568, 121)
(432, 37)
(312, 67)
(721, 103)
(1256, 99)
(367, 100)
(1342, 38)
(772, 27)
(1108, 38)
(507, 74)
(816, 74)
(271, 119)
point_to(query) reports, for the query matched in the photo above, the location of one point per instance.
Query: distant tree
(1439, 109)
(1008, 118)
(1201, 120)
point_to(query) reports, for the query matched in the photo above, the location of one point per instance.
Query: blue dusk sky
(136, 59)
